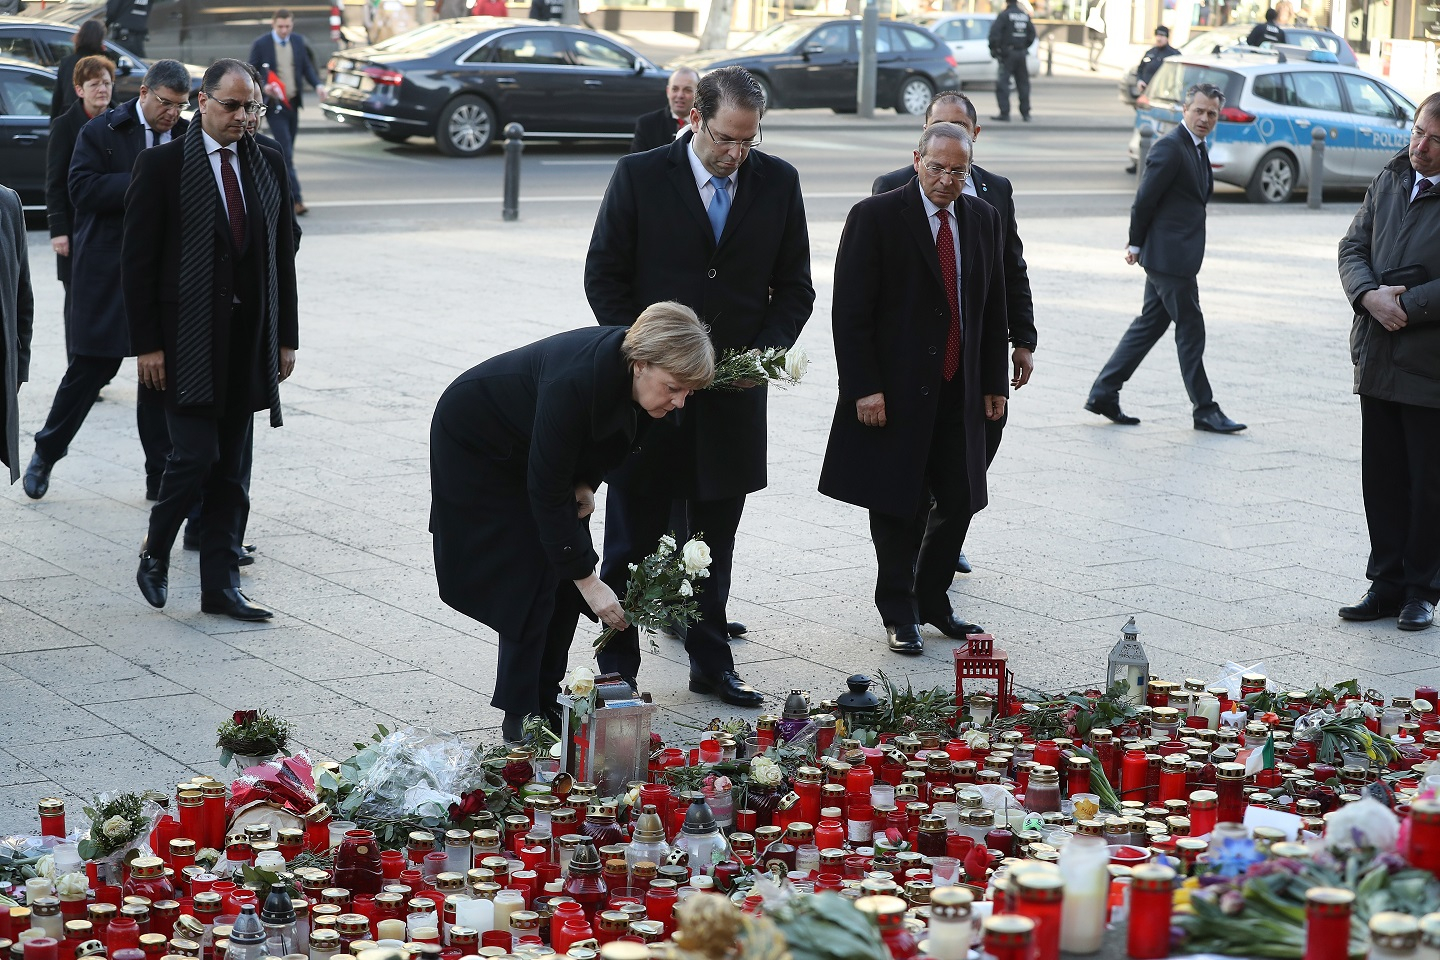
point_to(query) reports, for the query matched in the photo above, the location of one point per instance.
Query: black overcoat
(509, 442)
(59, 211)
(890, 319)
(654, 129)
(100, 169)
(652, 242)
(1167, 219)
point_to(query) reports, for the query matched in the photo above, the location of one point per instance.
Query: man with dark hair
(98, 333)
(1155, 56)
(950, 106)
(919, 326)
(282, 58)
(715, 224)
(1267, 32)
(1390, 268)
(1011, 34)
(1167, 238)
(660, 128)
(210, 293)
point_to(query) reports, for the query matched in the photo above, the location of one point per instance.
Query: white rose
(685, 589)
(45, 867)
(696, 556)
(765, 771)
(667, 546)
(796, 363)
(582, 682)
(115, 828)
(72, 886)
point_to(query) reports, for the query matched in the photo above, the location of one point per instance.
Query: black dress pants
(531, 666)
(1169, 298)
(73, 399)
(1010, 66)
(1400, 476)
(634, 523)
(916, 555)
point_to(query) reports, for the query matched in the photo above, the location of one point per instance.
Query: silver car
(968, 36)
(1273, 104)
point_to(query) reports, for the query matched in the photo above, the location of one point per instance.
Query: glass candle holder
(1151, 894)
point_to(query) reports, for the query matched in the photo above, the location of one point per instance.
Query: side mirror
(639, 66)
(125, 67)
(811, 48)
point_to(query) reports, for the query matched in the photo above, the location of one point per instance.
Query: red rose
(243, 717)
(470, 804)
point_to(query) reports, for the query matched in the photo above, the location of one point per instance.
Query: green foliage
(252, 733)
(127, 807)
(661, 591)
(1072, 714)
(743, 369)
(826, 926)
(906, 711)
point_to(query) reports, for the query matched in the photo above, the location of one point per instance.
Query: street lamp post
(865, 83)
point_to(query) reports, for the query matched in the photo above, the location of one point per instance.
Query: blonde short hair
(670, 336)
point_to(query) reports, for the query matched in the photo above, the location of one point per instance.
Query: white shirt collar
(278, 41)
(1197, 140)
(211, 144)
(930, 207)
(702, 176)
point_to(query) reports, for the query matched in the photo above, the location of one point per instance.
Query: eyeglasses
(252, 107)
(1418, 134)
(169, 104)
(936, 170)
(728, 142)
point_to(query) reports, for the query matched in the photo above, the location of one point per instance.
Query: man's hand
(1024, 360)
(287, 362)
(320, 92)
(994, 406)
(61, 246)
(602, 601)
(1384, 305)
(584, 501)
(871, 410)
(150, 369)
(1131, 257)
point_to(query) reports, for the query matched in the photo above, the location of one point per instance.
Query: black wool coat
(653, 242)
(509, 442)
(654, 129)
(59, 211)
(890, 319)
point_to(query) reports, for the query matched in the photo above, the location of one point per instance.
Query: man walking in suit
(1167, 238)
(919, 326)
(950, 106)
(98, 334)
(660, 128)
(283, 59)
(715, 224)
(1390, 268)
(210, 295)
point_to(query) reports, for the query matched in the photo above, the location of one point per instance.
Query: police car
(1274, 101)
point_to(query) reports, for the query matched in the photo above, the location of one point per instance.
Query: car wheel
(1273, 180)
(466, 127)
(764, 91)
(392, 136)
(915, 95)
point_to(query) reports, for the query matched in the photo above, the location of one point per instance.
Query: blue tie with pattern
(719, 205)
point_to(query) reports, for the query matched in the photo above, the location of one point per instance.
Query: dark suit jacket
(105, 154)
(17, 322)
(653, 242)
(1000, 194)
(655, 129)
(262, 58)
(509, 442)
(152, 253)
(1167, 219)
(890, 319)
(59, 211)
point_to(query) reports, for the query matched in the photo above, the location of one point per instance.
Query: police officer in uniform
(1010, 37)
(129, 22)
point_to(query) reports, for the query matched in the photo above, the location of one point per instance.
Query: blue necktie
(719, 205)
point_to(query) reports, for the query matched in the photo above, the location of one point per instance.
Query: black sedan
(461, 81)
(24, 128)
(46, 42)
(809, 63)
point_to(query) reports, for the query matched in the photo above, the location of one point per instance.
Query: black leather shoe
(512, 727)
(192, 537)
(1000, 118)
(1026, 118)
(153, 578)
(952, 626)
(232, 603)
(729, 687)
(905, 638)
(735, 629)
(1416, 615)
(962, 565)
(37, 477)
(1217, 422)
(1110, 410)
(248, 547)
(1372, 606)
(244, 560)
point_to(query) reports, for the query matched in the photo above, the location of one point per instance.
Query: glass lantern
(1128, 662)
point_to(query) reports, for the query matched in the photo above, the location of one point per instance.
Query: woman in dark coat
(518, 445)
(89, 42)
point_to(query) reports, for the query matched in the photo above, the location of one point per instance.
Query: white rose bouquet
(661, 591)
(742, 369)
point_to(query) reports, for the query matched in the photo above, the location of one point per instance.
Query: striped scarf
(192, 365)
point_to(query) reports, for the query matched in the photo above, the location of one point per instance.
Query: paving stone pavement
(1223, 547)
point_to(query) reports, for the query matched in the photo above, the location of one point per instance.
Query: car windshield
(778, 38)
(424, 40)
(1174, 78)
(1201, 44)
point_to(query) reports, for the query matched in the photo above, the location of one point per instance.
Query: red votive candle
(1327, 923)
(1151, 894)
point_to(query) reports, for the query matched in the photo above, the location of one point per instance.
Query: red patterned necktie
(945, 249)
(234, 204)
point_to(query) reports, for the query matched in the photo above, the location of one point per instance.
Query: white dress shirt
(934, 222)
(702, 178)
(212, 150)
(164, 137)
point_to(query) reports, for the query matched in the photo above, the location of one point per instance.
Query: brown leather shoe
(301, 209)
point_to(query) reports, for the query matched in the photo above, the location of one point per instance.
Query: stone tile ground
(1222, 547)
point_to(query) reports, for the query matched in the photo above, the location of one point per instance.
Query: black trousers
(1007, 66)
(634, 524)
(527, 678)
(916, 555)
(1168, 299)
(284, 126)
(206, 464)
(1400, 476)
(73, 399)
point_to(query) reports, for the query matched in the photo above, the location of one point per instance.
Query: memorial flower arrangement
(743, 369)
(119, 826)
(252, 734)
(661, 592)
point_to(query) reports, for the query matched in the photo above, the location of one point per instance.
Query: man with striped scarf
(209, 283)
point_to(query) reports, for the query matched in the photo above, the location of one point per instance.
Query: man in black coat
(285, 54)
(1155, 56)
(129, 22)
(919, 326)
(1267, 32)
(659, 129)
(98, 335)
(1011, 34)
(210, 294)
(1167, 238)
(720, 227)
